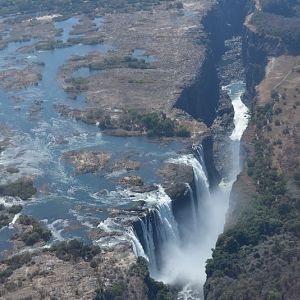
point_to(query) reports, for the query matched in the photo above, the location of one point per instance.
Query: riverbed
(70, 204)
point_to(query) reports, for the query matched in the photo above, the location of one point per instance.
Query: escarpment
(131, 147)
(255, 257)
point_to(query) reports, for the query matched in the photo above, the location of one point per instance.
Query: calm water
(66, 202)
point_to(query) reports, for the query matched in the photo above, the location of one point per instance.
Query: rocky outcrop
(175, 177)
(209, 159)
(132, 181)
(87, 161)
(23, 188)
(201, 98)
(44, 275)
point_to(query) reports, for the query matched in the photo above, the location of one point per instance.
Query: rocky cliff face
(201, 98)
(253, 257)
(256, 49)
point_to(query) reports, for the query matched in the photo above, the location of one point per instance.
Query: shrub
(274, 95)
(273, 295)
(32, 238)
(181, 131)
(73, 249)
(15, 209)
(17, 261)
(4, 220)
(38, 233)
(296, 177)
(293, 226)
(285, 131)
(179, 5)
(155, 124)
(13, 263)
(284, 208)
(114, 292)
(93, 264)
(278, 111)
(26, 220)
(5, 274)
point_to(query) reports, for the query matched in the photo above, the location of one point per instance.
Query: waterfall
(199, 155)
(148, 244)
(193, 206)
(182, 261)
(201, 182)
(156, 231)
(202, 192)
(169, 257)
(136, 245)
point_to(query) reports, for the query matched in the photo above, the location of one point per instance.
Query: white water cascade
(175, 261)
(157, 230)
(190, 192)
(171, 259)
(184, 262)
(136, 245)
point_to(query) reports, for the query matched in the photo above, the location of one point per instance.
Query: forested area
(73, 6)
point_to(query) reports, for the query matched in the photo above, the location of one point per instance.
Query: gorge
(177, 248)
(142, 150)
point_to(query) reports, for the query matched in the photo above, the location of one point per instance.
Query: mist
(184, 260)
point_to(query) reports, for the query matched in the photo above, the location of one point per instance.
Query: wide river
(67, 202)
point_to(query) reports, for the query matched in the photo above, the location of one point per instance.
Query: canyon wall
(255, 257)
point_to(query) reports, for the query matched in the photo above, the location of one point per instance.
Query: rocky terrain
(50, 275)
(257, 255)
(162, 76)
(132, 89)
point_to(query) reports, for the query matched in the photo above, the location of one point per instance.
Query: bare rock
(175, 178)
(132, 180)
(87, 161)
(127, 164)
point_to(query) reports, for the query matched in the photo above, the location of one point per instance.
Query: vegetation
(271, 211)
(58, 44)
(74, 249)
(85, 40)
(14, 263)
(4, 220)
(285, 28)
(76, 84)
(156, 290)
(38, 232)
(116, 291)
(7, 212)
(286, 8)
(22, 189)
(15, 209)
(68, 7)
(50, 45)
(119, 62)
(137, 272)
(154, 124)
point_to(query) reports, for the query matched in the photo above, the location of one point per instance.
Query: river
(72, 204)
(65, 200)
